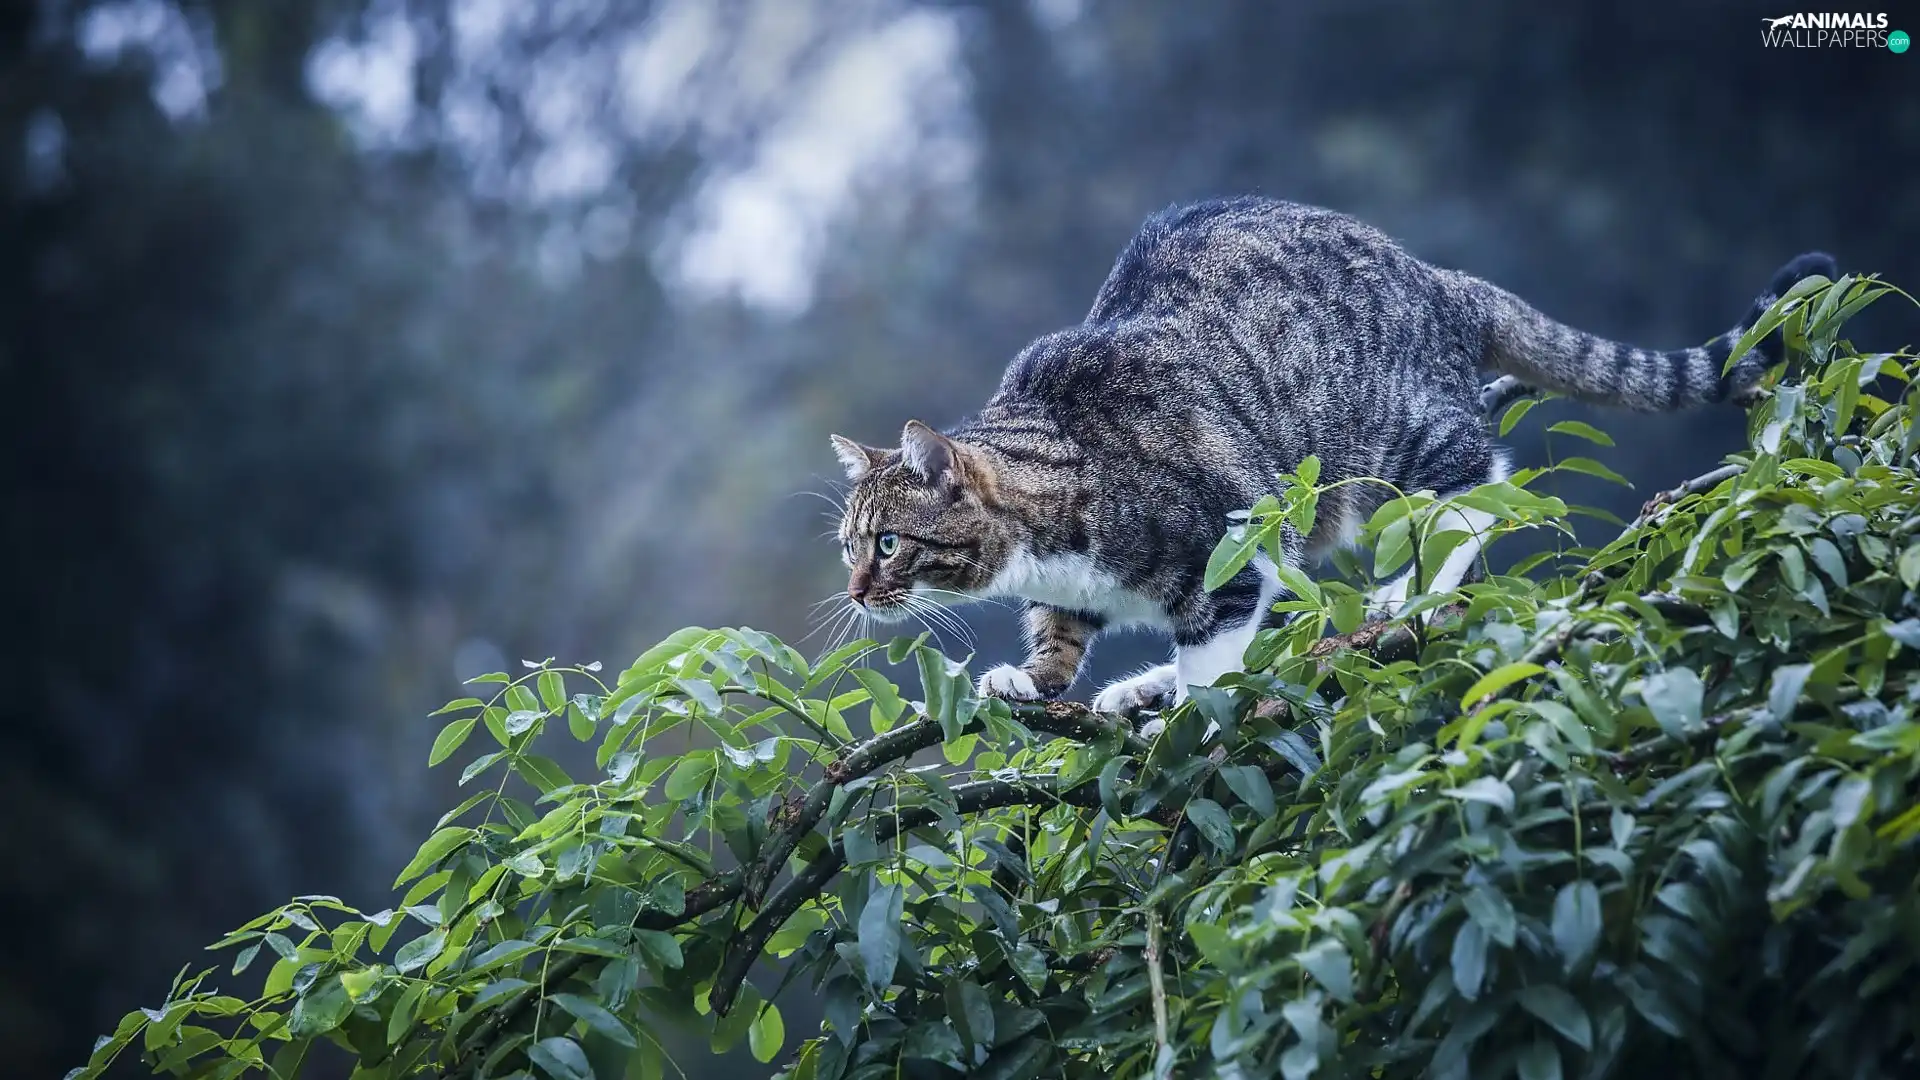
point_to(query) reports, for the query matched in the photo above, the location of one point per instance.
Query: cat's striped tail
(1550, 355)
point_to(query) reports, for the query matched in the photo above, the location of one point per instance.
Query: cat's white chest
(1075, 583)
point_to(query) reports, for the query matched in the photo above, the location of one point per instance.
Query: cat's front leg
(1056, 645)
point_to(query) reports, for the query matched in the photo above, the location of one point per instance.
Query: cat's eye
(886, 544)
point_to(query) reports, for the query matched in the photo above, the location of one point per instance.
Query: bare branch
(972, 798)
(1067, 719)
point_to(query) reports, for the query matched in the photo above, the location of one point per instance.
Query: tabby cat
(1232, 339)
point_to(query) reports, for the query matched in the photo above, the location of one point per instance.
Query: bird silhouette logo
(1774, 24)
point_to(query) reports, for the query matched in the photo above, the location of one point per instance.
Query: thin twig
(702, 899)
(1156, 981)
(1642, 752)
(1699, 485)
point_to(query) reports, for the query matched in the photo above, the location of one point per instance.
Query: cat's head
(923, 518)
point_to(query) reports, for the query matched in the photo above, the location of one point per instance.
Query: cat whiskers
(838, 502)
(966, 598)
(930, 612)
(837, 622)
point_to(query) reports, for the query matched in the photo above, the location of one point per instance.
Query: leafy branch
(1637, 808)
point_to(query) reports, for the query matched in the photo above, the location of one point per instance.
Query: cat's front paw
(1010, 683)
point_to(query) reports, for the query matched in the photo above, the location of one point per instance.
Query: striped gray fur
(1232, 339)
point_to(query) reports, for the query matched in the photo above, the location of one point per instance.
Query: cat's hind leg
(1151, 688)
(1476, 464)
(1212, 641)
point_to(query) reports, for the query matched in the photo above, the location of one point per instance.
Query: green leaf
(1214, 824)
(1589, 467)
(702, 693)
(902, 647)
(971, 1011)
(579, 724)
(661, 947)
(1581, 430)
(1394, 547)
(1327, 961)
(357, 983)
(596, 1017)
(1469, 959)
(1309, 470)
(456, 705)
(450, 738)
(321, 1009)
(943, 689)
(887, 705)
(1109, 788)
(416, 953)
(1494, 912)
(245, 958)
(1576, 922)
(1499, 679)
(1484, 789)
(1827, 557)
(553, 690)
(1561, 1011)
(438, 846)
(767, 1034)
(1216, 705)
(1564, 721)
(1515, 413)
(542, 772)
(1299, 584)
(1231, 555)
(479, 765)
(560, 1058)
(1349, 611)
(1788, 681)
(1251, 786)
(1910, 560)
(1031, 965)
(1767, 322)
(1674, 696)
(859, 846)
(404, 1012)
(690, 777)
(879, 935)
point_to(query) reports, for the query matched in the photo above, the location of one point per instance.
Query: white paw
(1151, 687)
(1009, 682)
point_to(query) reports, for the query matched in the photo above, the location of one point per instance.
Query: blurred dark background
(352, 348)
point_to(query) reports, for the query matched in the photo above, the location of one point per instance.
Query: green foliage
(1643, 807)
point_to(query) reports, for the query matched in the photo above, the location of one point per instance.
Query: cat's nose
(857, 593)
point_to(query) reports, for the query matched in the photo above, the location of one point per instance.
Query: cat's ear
(930, 454)
(857, 459)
